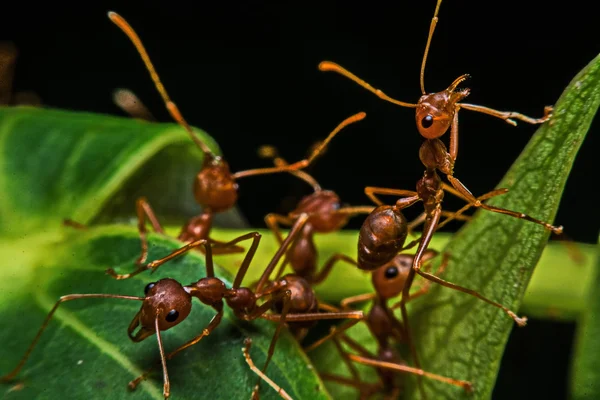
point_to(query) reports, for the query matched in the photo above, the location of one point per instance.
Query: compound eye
(391, 272)
(172, 316)
(148, 287)
(427, 121)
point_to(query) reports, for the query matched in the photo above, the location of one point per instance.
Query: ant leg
(273, 220)
(143, 211)
(457, 215)
(345, 303)
(371, 192)
(221, 248)
(331, 66)
(307, 161)
(429, 229)
(11, 375)
(352, 211)
(333, 332)
(450, 215)
(329, 266)
(467, 386)
(255, 236)
(424, 288)
(259, 312)
(345, 358)
(271, 152)
(477, 203)
(157, 263)
(509, 115)
(214, 322)
(296, 229)
(257, 371)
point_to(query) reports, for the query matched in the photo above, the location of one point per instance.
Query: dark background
(247, 74)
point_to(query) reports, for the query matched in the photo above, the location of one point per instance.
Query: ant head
(166, 301)
(214, 186)
(435, 111)
(322, 207)
(389, 279)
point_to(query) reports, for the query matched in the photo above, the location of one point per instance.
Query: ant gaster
(167, 303)
(215, 187)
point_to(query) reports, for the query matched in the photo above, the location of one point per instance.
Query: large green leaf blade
(58, 164)
(86, 352)
(460, 336)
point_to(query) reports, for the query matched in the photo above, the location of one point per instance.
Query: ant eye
(148, 287)
(427, 121)
(172, 316)
(391, 272)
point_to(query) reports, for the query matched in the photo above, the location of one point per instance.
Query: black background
(247, 74)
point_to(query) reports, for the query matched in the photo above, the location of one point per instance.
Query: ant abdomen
(196, 228)
(215, 187)
(303, 253)
(321, 207)
(381, 237)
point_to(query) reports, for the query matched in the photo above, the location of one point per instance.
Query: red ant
(388, 281)
(327, 214)
(167, 303)
(435, 113)
(215, 187)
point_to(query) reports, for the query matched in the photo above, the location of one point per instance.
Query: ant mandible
(215, 187)
(167, 303)
(436, 112)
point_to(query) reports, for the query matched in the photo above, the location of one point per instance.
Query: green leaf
(85, 351)
(460, 336)
(62, 164)
(585, 370)
(558, 289)
(554, 292)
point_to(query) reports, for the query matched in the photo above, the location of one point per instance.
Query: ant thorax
(215, 188)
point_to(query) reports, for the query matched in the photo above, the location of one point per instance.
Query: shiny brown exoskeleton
(167, 303)
(326, 215)
(435, 114)
(215, 186)
(388, 281)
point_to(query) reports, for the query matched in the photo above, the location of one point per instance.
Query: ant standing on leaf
(215, 187)
(327, 214)
(435, 114)
(166, 303)
(388, 281)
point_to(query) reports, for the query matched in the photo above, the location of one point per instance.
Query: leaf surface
(86, 352)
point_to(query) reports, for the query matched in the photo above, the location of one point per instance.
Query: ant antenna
(434, 21)
(270, 152)
(173, 110)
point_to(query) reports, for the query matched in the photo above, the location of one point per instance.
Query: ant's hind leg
(458, 185)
